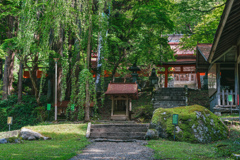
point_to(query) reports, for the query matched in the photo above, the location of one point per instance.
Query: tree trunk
(69, 85)
(87, 106)
(10, 71)
(5, 79)
(49, 91)
(59, 79)
(33, 77)
(116, 66)
(20, 76)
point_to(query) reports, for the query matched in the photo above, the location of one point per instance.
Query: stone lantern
(153, 78)
(134, 70)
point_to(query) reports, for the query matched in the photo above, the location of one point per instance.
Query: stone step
(118, 129)
(121, 135)
(172, 98)
(168, 104)
(169, 92)
(118, 125)
(172, 88)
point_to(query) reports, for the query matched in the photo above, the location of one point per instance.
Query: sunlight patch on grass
(67, 141)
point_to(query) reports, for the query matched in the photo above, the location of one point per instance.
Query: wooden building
(121, 96)
(222, 61)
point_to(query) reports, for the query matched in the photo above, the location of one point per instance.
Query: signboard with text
(9, 120)
(48, 107)
(175, 119)
(230, 99)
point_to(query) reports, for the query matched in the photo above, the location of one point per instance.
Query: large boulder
(27, 134)
(196, 124)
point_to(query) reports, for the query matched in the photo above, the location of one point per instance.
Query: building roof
(182, 59)
(204, 49)
(122, 88)
(228, 30)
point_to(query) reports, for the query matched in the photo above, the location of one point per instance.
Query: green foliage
(78, 94)
(135, 34)
(144, 112)
(197, 20)
(1, 85)
(25, 113)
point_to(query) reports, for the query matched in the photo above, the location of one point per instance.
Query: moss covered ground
(67, 141)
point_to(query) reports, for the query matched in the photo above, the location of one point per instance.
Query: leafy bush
(26, 113)
(144, 113)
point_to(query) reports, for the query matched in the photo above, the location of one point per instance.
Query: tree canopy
(122, 32)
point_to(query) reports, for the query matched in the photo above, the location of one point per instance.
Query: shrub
(26, 113)
(144, 113)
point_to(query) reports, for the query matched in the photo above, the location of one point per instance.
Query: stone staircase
(118, 131)
(169, 98)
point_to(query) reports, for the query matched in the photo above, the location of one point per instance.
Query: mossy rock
(196, 124)
(14, 140)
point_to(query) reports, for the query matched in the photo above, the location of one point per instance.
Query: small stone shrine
(122, 95)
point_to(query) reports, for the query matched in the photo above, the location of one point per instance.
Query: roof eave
(221, 25)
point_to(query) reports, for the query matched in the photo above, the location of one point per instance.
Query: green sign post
(230, 99)
(72, 107)
(174, 122)
(48, 109)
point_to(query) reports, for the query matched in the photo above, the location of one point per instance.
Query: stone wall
(199, 97)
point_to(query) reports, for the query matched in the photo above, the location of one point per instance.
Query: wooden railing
(223, 100)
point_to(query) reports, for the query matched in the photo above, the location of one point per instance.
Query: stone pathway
(115, 151)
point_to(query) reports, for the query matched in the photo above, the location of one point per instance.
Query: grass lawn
(165, 149)
(67, 141)
(228, 115)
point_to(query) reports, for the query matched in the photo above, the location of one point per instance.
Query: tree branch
(209, 9)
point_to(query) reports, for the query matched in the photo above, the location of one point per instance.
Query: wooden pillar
(127, 108)
(166, 77)
(218, 83)
(130, 104)
(236, 82)
(198, 80)
(112, 106)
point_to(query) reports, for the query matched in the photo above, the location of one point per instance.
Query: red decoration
(238, 99)
(26, 74)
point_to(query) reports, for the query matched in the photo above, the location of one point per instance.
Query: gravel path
(113, 150)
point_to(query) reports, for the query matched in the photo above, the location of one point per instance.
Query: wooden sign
(230, 99)
(72, 107)
(48, 107)
(175, 119)
(9, 120)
